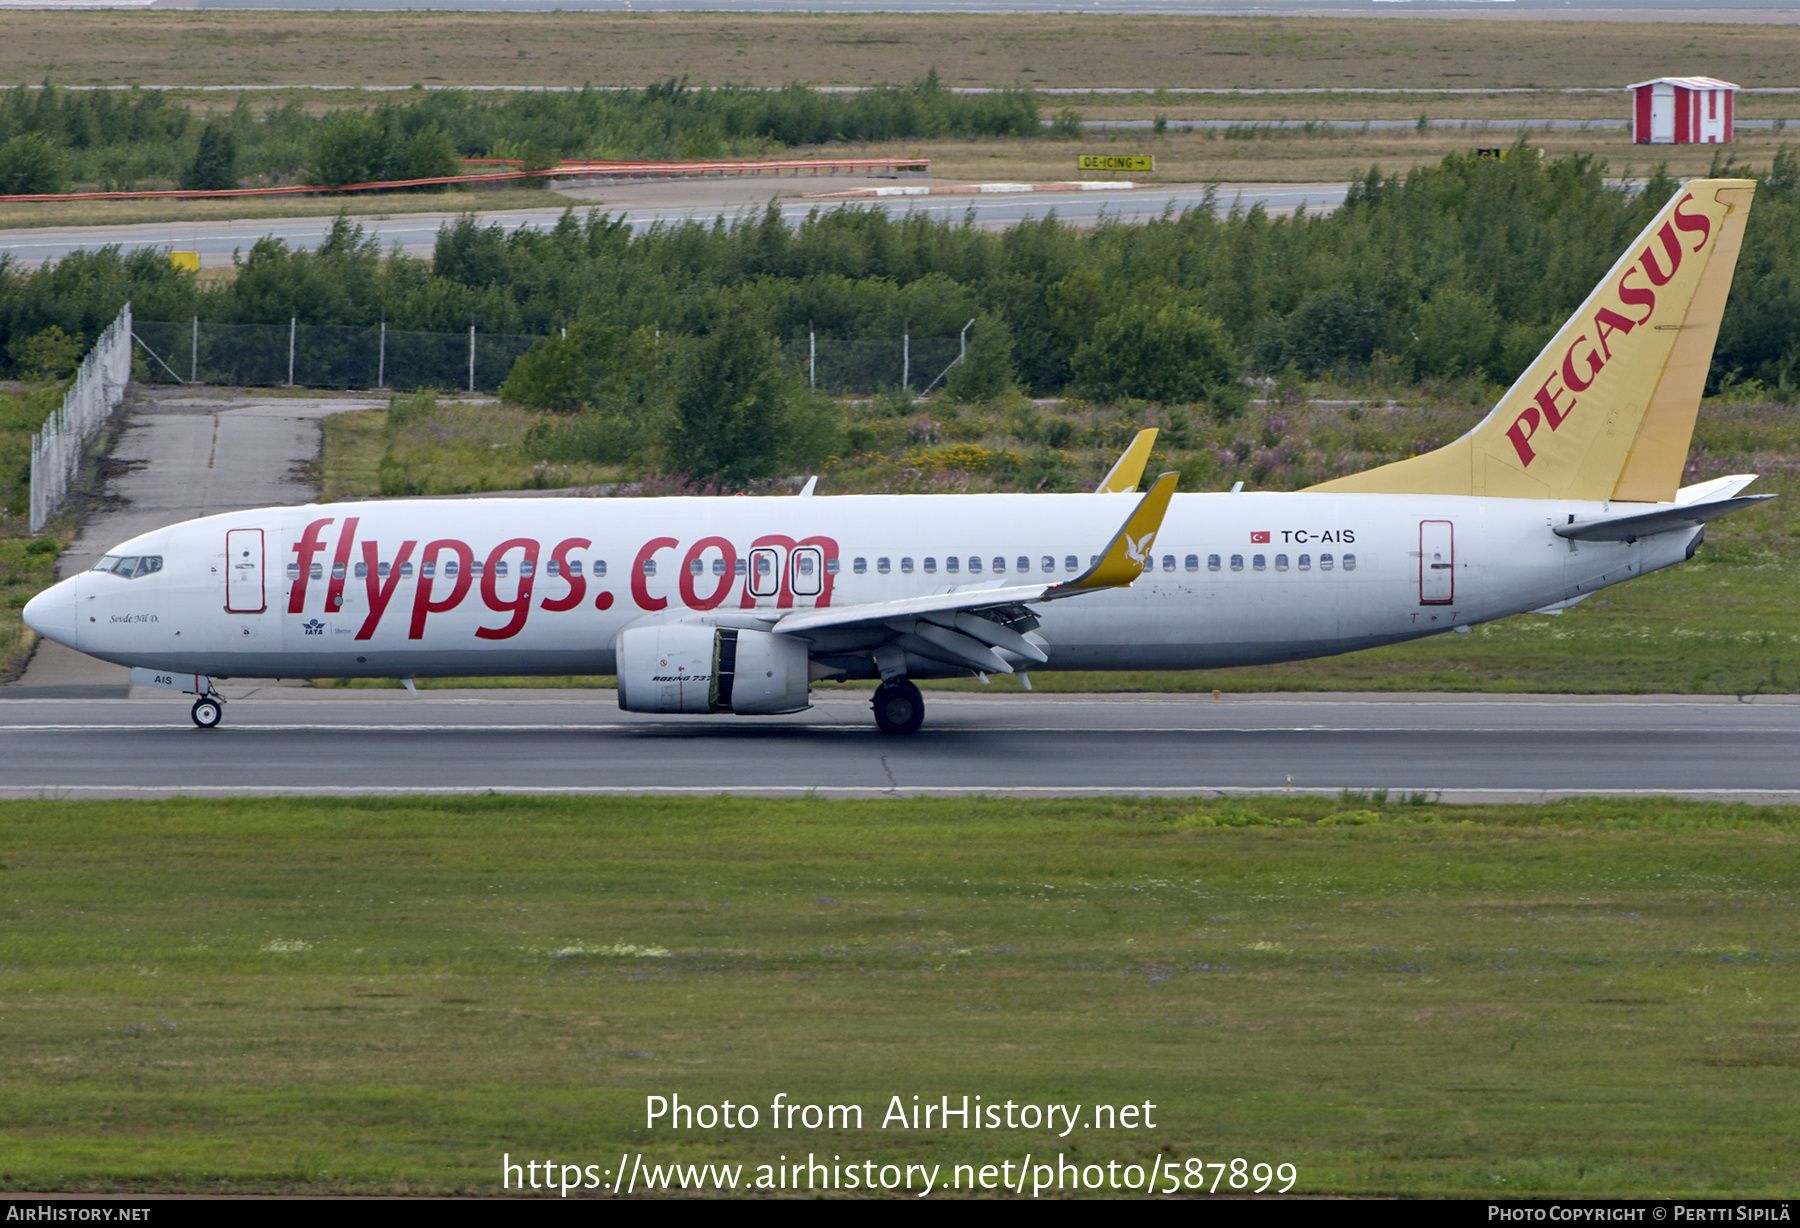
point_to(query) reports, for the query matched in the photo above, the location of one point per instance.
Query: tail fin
(1607, 410)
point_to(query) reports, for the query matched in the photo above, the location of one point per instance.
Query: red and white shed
(1682, 111)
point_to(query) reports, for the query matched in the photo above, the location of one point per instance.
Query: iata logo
(313, 627)
(1259, 539)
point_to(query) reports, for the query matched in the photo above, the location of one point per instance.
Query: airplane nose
(52, 613)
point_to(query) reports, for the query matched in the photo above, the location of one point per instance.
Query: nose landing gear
(899, 708)
(208, 711)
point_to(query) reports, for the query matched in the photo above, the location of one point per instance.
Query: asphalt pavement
(1006, 744)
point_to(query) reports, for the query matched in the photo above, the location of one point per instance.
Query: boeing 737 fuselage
(739, 605)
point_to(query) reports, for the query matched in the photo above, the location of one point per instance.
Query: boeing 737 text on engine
(721, 605)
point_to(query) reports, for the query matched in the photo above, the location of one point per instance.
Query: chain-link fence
(325, 356)
(98, 388)
(333, 356)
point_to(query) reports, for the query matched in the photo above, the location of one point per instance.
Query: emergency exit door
(1437, 562)
(244, 572)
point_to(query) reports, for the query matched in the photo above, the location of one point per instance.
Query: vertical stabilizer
(1607, 410)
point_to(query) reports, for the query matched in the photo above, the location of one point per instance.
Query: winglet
(1124, 475)
(1125, 559)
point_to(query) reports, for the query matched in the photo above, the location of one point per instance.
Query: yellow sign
(187, 262)
(1115, 162)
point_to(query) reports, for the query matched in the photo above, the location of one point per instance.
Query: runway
(648, 204)
(1452, 748)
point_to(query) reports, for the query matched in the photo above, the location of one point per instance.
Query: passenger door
(244, 566)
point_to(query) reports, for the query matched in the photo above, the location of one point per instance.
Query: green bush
(32, 165)
(214, 167)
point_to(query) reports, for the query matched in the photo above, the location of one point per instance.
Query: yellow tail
(1607, 410)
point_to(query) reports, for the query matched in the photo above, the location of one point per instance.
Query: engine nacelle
(679, 667)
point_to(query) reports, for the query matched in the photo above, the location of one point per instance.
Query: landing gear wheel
(208, 712)
(899, 708)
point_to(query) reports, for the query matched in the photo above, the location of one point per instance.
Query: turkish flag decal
(1259, 539)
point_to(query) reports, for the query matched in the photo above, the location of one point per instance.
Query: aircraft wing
(1663, 520)
(966, 626)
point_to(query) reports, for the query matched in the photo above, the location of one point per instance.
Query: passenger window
(1071, 563)
(574, 567)
(1237, 562)
(999, 565)
(599, 567)
(1024, 563)
(1259, 562)
(1049, 563)
(649, 567)
(475, 569)
(1193, 562)
(696, 568)
(428, 570)
(906, 566)
(1324, 562)
(293, 569)
(881, 565)
(1281, 563)
(831, 567)
(499, 568)
(1305, 562)
(316, 571)
(452, 569)
(1168, 562)
(406, 571)
(337, 571)
(525, 568)
(1349, 562)
(718, 567)
(930, 564)
(381, 571)
(859, 566)
(805, 562)
(741, 568)
(974, 565)
(951, 564)
(553, 568)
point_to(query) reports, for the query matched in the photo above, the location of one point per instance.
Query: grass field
(401, 49)
(1595, 998)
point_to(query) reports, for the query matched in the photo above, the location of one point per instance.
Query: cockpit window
(130, 566)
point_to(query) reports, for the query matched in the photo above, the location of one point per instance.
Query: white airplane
(734, 605)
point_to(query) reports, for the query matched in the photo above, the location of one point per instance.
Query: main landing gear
(899, 708)
(208, 711)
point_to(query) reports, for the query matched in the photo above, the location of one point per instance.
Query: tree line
(1454, 271)
(53, 138)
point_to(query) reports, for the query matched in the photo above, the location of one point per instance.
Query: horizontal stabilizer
(1666, 520)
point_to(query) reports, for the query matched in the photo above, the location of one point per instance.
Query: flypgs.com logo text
(1583, 360)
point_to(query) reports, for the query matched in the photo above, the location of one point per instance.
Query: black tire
(207, 712)
(899, 708)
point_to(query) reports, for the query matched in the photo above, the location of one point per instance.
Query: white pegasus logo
(1139, 551)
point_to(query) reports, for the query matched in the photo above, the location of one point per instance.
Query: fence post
(812, 357)
(194, 355)
(471, 358)
(381, 361)
(293, 328)
(906, 361)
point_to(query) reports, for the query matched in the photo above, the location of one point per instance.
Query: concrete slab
(181, 455)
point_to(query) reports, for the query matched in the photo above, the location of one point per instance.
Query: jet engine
(681, 667)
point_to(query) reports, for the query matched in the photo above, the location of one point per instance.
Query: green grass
(303, 995)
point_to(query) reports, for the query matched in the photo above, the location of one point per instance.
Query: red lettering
(380, 592)
(829, 548)
(1520, 432)
(340, 567)
(1606, 322)
(422, 602)
(785, 595)
(520, 606)
(559, 558)
(1553, 413)
(1574, 381)
(640, 592)
(690, 596)
(1671, 245)
(1645, 298)
(308, 545)
(1693, 221)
